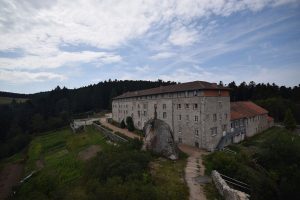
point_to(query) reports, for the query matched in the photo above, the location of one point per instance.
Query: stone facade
(197, 117)
(249, 118)
(199, 113)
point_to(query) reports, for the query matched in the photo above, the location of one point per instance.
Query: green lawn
(64, 176)
(8, 100)
(58, 153)
(169, 178)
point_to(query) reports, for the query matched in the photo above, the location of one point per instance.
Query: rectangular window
(195, 106)
(145, 106)
(215, 117)
(179, 106)
(187, 117)
(226, 116)
(179, 117)
(214, 131)
(186, 105)
(180, 140)
(164, 115)
(220, 104)
(139, 114)
(195, 93)
(145, 113)
(196, 132)
(196, 118)
(164, 106)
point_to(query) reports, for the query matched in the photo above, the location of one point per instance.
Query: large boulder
(159, 139)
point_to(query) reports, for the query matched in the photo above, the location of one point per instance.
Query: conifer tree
(289, 120)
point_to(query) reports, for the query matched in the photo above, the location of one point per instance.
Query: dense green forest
(53, 109)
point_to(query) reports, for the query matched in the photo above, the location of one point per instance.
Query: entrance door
(197, 144)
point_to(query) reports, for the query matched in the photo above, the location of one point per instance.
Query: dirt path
(193, 171)
(115, 129)
(9, 177)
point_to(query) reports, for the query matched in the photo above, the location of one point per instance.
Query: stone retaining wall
(227, 192)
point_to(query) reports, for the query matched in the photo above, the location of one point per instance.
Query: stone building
(248, 117)
(197, 112)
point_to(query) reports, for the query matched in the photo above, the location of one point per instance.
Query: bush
(122, 125)
(130, 124)
(139, 132)
(119, 163)
(289, 120)
(14, 145)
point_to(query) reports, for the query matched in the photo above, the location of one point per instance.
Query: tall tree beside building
(130, 124)
(289, 120)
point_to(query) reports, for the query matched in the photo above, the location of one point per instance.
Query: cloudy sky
(75, 43)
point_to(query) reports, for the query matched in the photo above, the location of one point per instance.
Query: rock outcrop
(159, 139)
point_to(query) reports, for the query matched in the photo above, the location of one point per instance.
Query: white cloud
(162, 55)
(143, 69)
(57, 60)
(40, 28)
(182, 36)
(25, 77)
(104, 24)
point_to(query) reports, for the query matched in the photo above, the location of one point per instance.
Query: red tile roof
(245, 109)
(195, 85)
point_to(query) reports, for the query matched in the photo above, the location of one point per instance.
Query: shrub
(122, 125)
(130, 124)
(289, 120)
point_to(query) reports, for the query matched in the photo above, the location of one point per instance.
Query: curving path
(193, 170)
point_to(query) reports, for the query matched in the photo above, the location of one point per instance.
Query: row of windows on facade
(196, 117)
(245, 121)
(213, 131)
(164, 106)
(165, 95)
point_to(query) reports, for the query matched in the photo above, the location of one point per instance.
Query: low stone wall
(227, 192)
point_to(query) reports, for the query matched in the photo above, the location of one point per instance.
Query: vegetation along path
(117, 129)
(193, 171)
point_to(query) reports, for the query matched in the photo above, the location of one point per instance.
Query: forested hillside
(51, 110)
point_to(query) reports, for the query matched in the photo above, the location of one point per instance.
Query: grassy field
(8, 100)
(169, 177)
(62, 175)
(55, 157)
